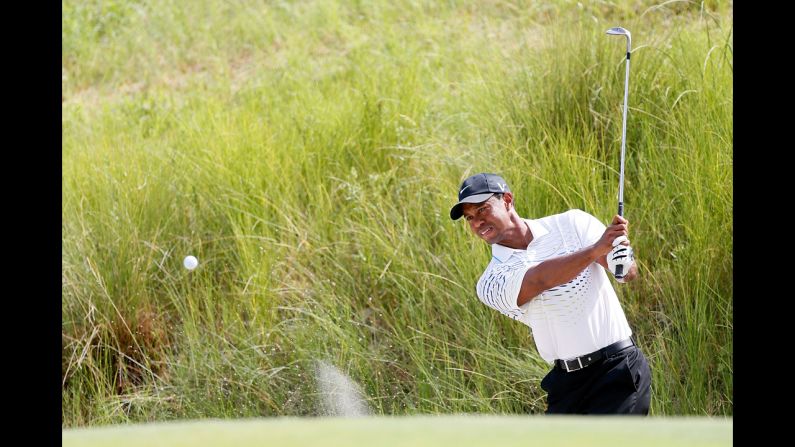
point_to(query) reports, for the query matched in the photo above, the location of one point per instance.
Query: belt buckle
(566, 364)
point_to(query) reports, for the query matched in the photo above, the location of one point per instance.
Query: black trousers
(619, 384)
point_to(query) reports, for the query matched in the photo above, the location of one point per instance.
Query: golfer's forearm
(554, 272)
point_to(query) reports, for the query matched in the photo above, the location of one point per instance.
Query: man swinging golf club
(551, 274)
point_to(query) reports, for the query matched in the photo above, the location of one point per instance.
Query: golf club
(618, 31)
(621, 257)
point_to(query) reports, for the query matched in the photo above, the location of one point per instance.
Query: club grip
(621, 209)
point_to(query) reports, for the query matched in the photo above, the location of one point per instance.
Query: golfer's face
(487, 219)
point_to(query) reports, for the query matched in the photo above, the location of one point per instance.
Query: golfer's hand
(631, 275)
(621, 259)
(619, 227)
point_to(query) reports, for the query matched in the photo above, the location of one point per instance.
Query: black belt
(588, 359)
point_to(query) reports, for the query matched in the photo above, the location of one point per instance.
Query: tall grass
(308, 153)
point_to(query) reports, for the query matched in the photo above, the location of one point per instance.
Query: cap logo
(501, 185)
(462, 189)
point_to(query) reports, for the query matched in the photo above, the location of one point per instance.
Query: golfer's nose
(476, 223)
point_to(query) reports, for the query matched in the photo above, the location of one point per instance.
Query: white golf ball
(190, 262)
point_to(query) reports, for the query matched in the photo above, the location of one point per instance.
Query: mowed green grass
(415, 431)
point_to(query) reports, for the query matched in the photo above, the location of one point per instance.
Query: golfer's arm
(603, 262)
(554, 272)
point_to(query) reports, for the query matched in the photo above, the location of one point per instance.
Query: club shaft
(623, 141)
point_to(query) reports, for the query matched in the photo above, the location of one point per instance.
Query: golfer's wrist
(594, 252)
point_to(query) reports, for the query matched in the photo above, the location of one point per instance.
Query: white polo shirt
(569, 320)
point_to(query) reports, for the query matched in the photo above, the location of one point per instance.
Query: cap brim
(456, 212)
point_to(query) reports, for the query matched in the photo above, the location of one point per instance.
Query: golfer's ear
(508, 198)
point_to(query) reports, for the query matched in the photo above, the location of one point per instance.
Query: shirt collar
(502, 253)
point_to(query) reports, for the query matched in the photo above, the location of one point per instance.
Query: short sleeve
(499, 287)
(588, 227)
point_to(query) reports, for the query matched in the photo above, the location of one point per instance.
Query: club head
(618, 31)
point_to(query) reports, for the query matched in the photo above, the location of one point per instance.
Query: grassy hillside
(308, 153)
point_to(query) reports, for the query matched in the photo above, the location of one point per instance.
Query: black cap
(476, 189)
